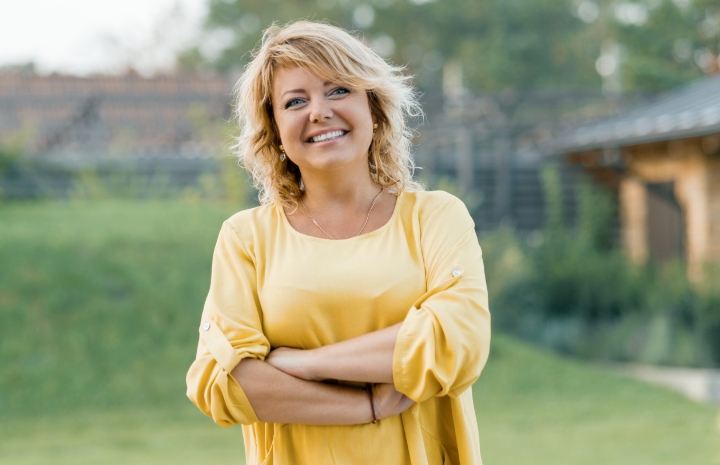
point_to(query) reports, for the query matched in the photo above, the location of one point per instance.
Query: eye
(340, 91)
(293, 102)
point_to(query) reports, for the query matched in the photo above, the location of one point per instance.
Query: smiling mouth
(327, 136)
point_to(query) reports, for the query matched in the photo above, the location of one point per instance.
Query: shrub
(574, 291)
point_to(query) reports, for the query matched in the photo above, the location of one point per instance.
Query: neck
(330, 191)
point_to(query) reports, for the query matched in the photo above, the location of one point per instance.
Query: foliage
(226, 184)
(11, 165)
(575, 292)
(9, 159)
(679, 39)
(33, 179)
(523, 45)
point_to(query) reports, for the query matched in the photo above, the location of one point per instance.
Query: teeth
(327, 136)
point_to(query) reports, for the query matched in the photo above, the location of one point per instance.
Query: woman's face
(323, 125)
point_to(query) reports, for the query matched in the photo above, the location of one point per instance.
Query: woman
(347, 316)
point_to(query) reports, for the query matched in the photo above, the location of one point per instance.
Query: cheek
(287, 126)
(365, 124)
(363, 115)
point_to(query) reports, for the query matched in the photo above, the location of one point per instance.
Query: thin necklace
(361, 229)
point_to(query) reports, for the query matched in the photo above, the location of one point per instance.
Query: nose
(320, 109)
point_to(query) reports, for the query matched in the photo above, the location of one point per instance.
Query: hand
(294, 362)
(388, 402)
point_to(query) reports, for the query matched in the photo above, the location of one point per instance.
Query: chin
(333, 161)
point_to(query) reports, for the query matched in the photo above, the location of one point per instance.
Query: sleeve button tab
(206, 326)
(456, 273)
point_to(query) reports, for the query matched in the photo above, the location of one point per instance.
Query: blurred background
(583, 135)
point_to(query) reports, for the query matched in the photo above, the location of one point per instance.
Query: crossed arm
(286, 387)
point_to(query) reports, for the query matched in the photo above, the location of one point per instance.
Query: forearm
(367, 358)
(277, 397)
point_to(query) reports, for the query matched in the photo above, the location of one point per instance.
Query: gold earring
(282, 152)
(375, 126)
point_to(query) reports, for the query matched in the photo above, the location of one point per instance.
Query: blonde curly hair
(335, 55)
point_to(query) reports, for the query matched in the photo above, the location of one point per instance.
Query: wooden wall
(711, 148)
(695, 174)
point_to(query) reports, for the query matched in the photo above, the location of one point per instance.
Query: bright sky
(90, 36)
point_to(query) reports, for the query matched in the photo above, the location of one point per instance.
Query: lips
(330, 135)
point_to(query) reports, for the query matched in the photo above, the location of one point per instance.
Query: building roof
(120, 116)
(689, 111)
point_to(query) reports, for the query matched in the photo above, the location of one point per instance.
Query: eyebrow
(300, 91)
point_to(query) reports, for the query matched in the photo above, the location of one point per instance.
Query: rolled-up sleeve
(444, 340)
(230, 330)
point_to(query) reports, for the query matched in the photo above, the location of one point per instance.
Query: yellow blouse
(273, 286)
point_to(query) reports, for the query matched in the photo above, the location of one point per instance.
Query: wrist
(361, 405)
(312, 365)
(373, 406)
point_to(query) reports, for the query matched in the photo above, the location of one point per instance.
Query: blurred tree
(521, 45)
(652, 44)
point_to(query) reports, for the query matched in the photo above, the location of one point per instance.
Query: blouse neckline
(368, 235)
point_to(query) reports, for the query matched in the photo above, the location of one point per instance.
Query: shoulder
(438, 207)
(252, 223)
(251, 217)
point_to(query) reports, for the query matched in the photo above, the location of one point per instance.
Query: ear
(374, 107)
(373, 111)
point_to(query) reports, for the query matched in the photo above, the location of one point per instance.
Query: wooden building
(147, 128)
(662, 159)
(129, 116)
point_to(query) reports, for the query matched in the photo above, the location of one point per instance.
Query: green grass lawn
(179, 436)
(537, 408)
(99, 306)
(100, 302)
